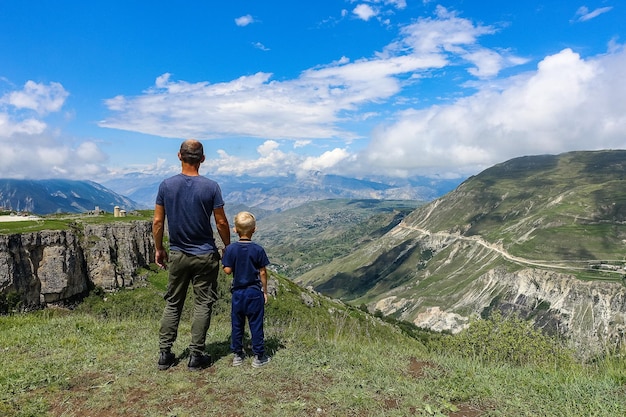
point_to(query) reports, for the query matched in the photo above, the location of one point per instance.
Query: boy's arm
(263, 276)
(226, 259)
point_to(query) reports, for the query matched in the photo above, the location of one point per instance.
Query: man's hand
(160, 258)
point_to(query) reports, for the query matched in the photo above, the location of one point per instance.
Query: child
(247, 260)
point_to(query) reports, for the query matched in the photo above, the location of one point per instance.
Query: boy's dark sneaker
(197, 362)
(166, 359)
(260, 361)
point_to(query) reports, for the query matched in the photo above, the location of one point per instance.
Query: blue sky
(93, 90)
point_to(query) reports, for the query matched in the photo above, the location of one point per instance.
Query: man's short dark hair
(191, 151)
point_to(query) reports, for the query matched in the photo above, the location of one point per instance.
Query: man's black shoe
(197, 362)
(166, 359)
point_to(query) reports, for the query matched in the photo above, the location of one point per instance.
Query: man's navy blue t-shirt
(189, 202)
(245, 258)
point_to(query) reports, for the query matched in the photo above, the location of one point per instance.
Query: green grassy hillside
(563, 214)
(553, 207)
(311, 235)
(328, 360)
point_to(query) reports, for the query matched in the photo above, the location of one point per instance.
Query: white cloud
(244, 20)
(455, 40)
(325, 161)
(161, 168)
(250, 106)
(445, 33)
(568, 103)
(268, 148)
(271, 162)
(89, 151)
(259, 45)
(488, 63)
(583, 14)
(41, 98)
(398, 4)
(312, 106)
(9, 127)
(29, 148)
(364, 12)
(45, 156)
(55, 157)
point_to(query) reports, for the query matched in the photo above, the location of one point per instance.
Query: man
(187, 200)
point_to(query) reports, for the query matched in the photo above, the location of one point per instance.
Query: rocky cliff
(590, 315)
(50, 266)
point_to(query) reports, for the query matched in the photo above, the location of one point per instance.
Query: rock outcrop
(589, 314)
(50, 266)
(592, 315)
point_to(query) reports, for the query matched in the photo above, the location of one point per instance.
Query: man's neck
(190, 170)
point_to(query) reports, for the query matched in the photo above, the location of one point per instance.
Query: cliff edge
(53, 265)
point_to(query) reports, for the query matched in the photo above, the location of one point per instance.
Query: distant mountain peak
(50, 196)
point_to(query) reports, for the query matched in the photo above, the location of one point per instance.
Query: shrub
(511, 340)
(10, 302)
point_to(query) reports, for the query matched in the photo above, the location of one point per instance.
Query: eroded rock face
(114, 251)
(49, 266)
(590, 315)
(60, 269)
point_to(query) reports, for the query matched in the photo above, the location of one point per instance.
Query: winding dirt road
(500, 250)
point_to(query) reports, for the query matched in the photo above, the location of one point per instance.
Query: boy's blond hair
(245, 223)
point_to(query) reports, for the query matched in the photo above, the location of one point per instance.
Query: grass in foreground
(328, 360)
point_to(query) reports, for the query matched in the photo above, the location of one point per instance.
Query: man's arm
(158, 227)
(221, 223)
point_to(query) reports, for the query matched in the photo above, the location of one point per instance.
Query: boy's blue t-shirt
(189, 202)
(245, 258)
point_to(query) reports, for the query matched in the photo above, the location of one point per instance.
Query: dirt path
(500, 250)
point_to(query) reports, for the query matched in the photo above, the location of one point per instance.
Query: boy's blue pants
(248, 304)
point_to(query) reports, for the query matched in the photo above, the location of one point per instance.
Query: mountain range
(59, 196)
(264, 194)
(282, 192)
(542, 236)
